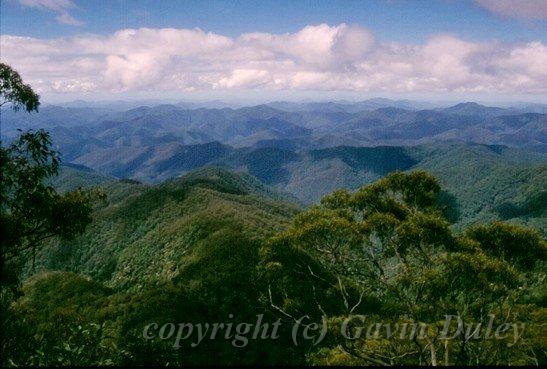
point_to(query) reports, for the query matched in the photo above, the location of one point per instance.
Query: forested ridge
(216, 244)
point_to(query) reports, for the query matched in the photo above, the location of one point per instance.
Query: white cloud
(520, 9)
(319, 57)
(59, 7)
(248, 78)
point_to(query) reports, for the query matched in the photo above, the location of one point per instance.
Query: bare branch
(277, 307)
(358, 302)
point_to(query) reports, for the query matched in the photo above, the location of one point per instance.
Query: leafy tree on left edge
(31, 211)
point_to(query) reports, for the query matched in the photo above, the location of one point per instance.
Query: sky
(423, 49)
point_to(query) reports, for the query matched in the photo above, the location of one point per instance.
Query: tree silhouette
(13, 91)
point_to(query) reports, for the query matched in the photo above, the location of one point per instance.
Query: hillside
(488, 182)
(149, 234)
(72, 176)
(188, 210)
(485, 178)
(196, 249)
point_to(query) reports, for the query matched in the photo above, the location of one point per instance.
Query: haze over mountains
(486, 157)
(91, 130)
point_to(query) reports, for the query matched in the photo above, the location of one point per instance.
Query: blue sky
(396, 20)
(77, 49)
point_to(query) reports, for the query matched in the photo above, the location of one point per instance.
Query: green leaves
(390, 245)
(31, 210)
(512, 243)
(15, 92)
(399, 194)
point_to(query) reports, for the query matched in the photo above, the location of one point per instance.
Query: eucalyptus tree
(387, 254)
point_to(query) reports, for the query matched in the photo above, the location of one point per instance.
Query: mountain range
(488, 158)
(83, 130)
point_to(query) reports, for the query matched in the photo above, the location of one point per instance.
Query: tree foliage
(387, 251)
(31, 211)
(15, 92)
